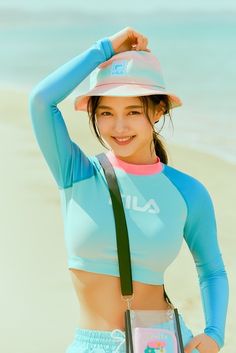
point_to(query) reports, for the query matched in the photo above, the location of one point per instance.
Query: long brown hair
(148, 101)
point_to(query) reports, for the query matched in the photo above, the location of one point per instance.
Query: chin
(122, 152)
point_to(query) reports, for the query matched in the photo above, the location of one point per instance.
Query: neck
(141, 160)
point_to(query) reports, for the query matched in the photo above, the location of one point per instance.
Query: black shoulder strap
(122, 238)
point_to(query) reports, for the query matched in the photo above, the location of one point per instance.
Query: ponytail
(160, 149)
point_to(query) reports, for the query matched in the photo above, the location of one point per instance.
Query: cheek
(103, 127)
(143, 126)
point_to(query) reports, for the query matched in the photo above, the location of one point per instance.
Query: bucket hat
(130, 73)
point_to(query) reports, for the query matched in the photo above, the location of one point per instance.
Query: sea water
(197, 52)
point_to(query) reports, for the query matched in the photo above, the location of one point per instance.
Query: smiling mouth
(123, 140)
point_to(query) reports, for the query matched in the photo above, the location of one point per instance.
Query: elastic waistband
(109, 338)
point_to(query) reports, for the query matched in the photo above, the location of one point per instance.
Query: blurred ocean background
(196, 46)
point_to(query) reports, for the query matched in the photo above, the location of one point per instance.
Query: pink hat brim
(119, 90)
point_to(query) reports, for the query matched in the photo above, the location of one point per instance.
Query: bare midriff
(101, 304)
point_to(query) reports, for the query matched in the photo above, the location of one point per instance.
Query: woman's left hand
(203, 343)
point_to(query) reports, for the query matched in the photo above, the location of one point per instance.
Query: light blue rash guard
(162, 205)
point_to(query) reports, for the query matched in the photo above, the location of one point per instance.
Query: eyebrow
(128, 107)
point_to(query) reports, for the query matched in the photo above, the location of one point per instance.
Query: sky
(120, 5)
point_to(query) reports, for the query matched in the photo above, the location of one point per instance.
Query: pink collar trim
(138, 169)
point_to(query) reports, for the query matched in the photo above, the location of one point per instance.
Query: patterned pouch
(153, 331)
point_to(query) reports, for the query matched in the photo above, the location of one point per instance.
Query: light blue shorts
(96, 341)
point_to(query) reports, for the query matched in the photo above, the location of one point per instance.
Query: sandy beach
(38, 306)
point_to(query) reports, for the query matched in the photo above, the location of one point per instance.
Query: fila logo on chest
(131, 202)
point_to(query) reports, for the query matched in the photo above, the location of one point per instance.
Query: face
(125, 128)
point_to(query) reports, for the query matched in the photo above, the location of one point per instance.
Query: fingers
(203, 344)
(191, 345)
(128, 39)
(142, 43)
(139, 42)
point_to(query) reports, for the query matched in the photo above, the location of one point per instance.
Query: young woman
(162, 205)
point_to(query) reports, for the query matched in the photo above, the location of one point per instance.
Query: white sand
(39, 308)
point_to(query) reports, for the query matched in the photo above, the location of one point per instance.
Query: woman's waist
(110, 315)
(96, 290)
(101, 304)
(106, 317)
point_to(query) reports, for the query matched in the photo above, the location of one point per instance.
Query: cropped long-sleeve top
(163, 205)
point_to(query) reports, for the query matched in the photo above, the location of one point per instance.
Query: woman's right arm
(61, 153)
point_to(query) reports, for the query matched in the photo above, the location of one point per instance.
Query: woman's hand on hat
(128, 39)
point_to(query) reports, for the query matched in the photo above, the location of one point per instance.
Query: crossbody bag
(146, 331)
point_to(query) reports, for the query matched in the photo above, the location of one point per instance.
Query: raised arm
(200, 233)
(62, 155)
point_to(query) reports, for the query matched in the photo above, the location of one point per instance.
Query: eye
(103, 113)
(135, 112)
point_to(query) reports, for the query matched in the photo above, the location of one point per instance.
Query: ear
(157, 116)
(160, 109)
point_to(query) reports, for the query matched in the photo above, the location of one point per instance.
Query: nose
(120, 125)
